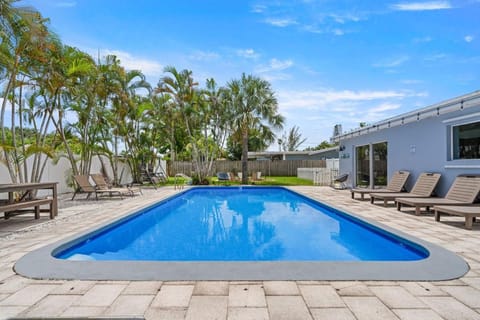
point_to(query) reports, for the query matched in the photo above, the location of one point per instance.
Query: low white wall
(62, 172)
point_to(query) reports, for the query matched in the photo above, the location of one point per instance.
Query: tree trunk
(245, 157)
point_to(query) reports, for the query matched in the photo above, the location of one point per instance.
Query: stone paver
(467, 295)
(211, 288)
(143, 287)
(165, 314)
(287, 307)
(78, 311)
(129, 305)
(207, 308)
(173, 296)
(246, 296)
(74, 287)
(7, 312)
(242, 300)
(100, 295)
(332, 314)
(417, 314)
(281, 288)
(248, 314)
(28, 296)
(322, 296)
(52, 305)
(351, 288)
(397, 297)
(369, 308)
(450, 309)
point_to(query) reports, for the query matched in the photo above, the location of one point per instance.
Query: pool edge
(440, 265)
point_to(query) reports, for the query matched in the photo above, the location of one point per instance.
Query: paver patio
(23, 297)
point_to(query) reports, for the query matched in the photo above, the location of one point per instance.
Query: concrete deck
(23, 297)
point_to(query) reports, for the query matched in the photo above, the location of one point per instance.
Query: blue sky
(329, 61)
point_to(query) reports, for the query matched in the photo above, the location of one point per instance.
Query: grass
(284, 181)
(266, 181)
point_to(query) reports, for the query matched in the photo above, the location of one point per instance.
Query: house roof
(269, 154)
(459, 103)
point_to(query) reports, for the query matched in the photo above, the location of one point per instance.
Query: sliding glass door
(362, 174)
(371, 165)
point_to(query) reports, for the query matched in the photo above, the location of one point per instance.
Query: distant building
(323, 154)
(444, 138)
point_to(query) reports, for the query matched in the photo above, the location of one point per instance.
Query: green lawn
(266, 181)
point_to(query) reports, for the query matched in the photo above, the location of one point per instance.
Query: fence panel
(266, 167)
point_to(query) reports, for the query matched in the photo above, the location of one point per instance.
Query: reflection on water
(229, 224)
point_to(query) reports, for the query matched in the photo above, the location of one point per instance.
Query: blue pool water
(243, 224)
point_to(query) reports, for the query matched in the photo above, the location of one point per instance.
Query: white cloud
(436, 57)
(258, 8)
(386, 106)
(328, 98)
(130, 62)
(204, 56)
(422, 40)
(248, 53)
(279, 64)
(469, 38)
(281, 22)
(343, 18)
(422, 6)
(275, 65)
(274, 70)
(338, 32)
(391, 63)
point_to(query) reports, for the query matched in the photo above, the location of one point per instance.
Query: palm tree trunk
(245, 157)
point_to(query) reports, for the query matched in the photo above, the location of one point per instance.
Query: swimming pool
(243, 224)
(243, 233)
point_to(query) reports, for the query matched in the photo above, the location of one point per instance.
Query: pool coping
(441, 264)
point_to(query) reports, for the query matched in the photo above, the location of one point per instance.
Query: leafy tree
(323, 145)
(292, 140)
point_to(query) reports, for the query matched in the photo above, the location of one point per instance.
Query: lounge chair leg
(417, 210)
(372, 199)
(362, 196)
(437, 215)
(353, 195)
(37, 212)
(468, 223)
(52, 215)
(399, 206)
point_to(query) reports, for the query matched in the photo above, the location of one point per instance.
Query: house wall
(421, 146)
(318, 156)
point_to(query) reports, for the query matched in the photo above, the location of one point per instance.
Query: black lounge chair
(223, 177)
(341, 179)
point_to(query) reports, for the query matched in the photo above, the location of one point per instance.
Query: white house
(444, 138)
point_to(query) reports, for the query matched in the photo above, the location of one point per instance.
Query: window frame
(452, 140)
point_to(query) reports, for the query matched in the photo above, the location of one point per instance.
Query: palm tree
(254, 106)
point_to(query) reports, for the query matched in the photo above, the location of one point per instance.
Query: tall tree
(254, 106)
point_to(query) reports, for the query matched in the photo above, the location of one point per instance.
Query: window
(466, 141)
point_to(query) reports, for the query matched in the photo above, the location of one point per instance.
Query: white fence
(321, 176)
(62, 172)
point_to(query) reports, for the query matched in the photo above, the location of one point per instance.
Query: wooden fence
(286, 168)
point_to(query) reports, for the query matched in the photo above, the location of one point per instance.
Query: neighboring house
(329, 153)
(443, 138)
